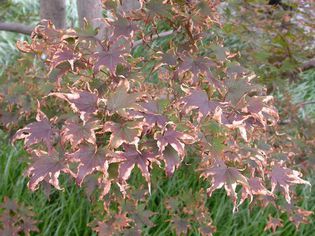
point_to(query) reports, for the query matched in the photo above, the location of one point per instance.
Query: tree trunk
(54, 10)
(91, 10)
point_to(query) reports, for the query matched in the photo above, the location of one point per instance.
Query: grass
(68, 212)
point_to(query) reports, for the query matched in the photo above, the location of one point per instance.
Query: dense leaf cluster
(145, 95)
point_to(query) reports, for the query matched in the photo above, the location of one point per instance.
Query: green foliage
(303, 94)
(68, 212)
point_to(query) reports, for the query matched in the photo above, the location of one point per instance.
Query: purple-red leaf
(76, 133)
(36, 132)
(169, 136)
(132, 157)
(198, 99)
(108, 59)
(127, 132)
(273, 223)
(81, 101)
(229, 178)
(284, 178)
(91, 159)
(46, 166)
(172, 159)
(120, 100)
(123, 27)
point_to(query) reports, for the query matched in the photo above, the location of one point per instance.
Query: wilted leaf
(158, 8)
(180, 225)
(300, 216)
(152, 114)
(15, 219)
(64, 54)
(197, 65)
(236, 89)
(172, 160)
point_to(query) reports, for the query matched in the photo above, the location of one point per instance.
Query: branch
(16, 27)
(160, 35)
(302, 104)
(308, 65)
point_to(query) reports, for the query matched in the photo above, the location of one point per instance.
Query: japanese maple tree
(144, 97)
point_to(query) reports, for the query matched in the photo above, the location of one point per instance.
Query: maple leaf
(64, 54)
(152, 114)
(300, 216)
(284, 177)
(255, 105)
(127, 132)
(273, 223)
(91, 159)
(256, 187)
(158, 8)
(131, 157)
(207, 229)
(141, 216)
(81, 101)
(16, 219)
(112, 226)
(109, 59)
(120, 99)
(180, 225)
(172, 160)
(237, 89)
(169, 58)
(76, 133)
(229, 177)
(122, 27)
(46, 166)
(176, 139)
(198, 99)
(36, 132)
(128, 6)
(197, 65)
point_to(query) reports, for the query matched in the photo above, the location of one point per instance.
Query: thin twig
(155, 36)
(301, 104)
